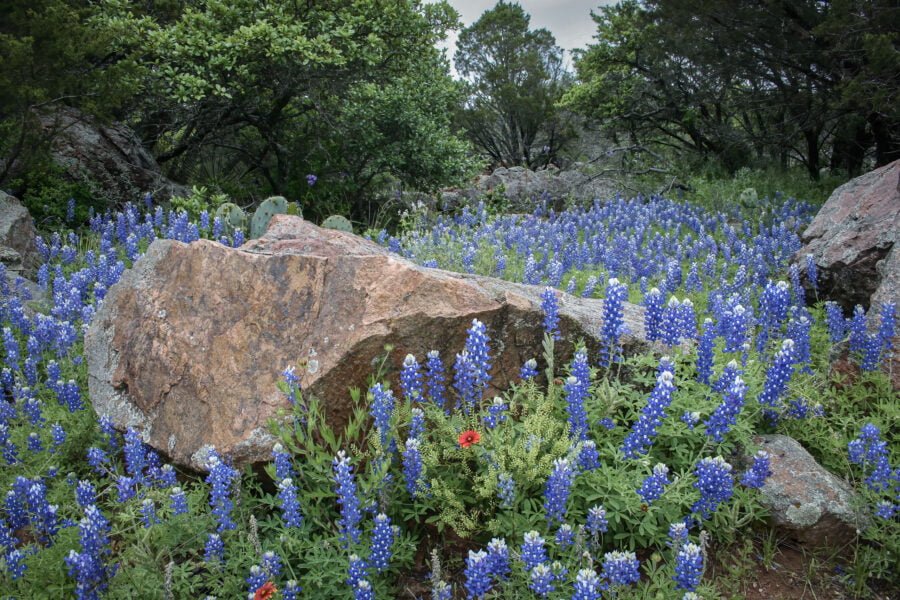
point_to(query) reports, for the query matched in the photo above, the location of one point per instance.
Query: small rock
(806, 501)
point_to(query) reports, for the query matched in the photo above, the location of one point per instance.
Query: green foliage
(202, 199)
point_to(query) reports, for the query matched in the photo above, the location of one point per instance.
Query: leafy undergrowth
(609, 476)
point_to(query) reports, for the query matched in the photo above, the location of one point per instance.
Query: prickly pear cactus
(276, 205)
(338, 222)
(232, 216)
(294, 209)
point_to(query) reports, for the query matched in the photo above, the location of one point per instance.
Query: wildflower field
(610, 476)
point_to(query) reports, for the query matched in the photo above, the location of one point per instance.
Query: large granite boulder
(108, 157)
(189, 345)
(807, 502)
(18, 252)
(854, 240)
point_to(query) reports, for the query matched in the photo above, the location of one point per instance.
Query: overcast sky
(568, 20)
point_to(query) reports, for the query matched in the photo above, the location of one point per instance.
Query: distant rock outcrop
(18, 252)
(807, 502)
(189, 345)
(855, 240)
(109, 158)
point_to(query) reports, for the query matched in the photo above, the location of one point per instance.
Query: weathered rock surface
(854, 240)
(17, 249)
(110, 158)
(189, 345)
(806, 501)
(523, 188)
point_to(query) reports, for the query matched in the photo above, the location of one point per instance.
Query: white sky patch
(569, 21)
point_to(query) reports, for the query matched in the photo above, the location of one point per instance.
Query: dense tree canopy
(514, 77)
(809, 82)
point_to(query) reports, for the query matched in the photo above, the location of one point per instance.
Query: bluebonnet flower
(381, 409)
(15, 563)
(653, 486)
(715, 483)
(542, 580)
(478, 574)
(435, 378)
(886, 324)
(97, 459)
(291, 590)
(812, 272)
(441, 591)
(576, 390)
(686, 319)
(411, 379)
(283, 467)
(640, 438)
(725, 380)
(416, 423)
(773, 307)
(473, 366)
(357, 571)
(688, 567)
(798, 330)
(256, 579)
(311, 180)
(678, 535)
(690, 418)
(620, 568)
(214, 551)
(778, 375)
(34, 442)
(221, 477)
(588, 457)
(858, 330)
(59, 436)
(671, 329)
(88, 567)
(178, 501)
(705, 352)
(529, 369)
(496, 412)
(607, 423)
(363, 591)
(653, 315)
(613, 322)
(271, 564)
(532, 551)
(596, 521)
(556, 491)
(870, 451)
(292, 381)
(506, 489)
(550, 307)
(886, 510)
(85, 494)
(135, 454)
(412, 467)
(589, 286)
(382, 543)
(837, 325)
(347, 498)
(125, 488)
(587, 586)
(564, 536)
(725, 416)
(756, 475)
(498, 555)
(148, 513)
(290, 506)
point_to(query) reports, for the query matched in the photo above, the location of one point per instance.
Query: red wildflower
(467, 438)
(265, 592)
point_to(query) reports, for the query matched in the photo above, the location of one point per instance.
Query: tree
(515, 77)
(275, 86)
(743, 82)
